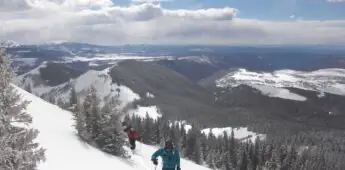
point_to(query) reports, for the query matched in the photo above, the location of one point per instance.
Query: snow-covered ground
(240, 133)
(20, 62)
(142, 111)
(149, 95)
(115, 57)
(197, 59)
(278, 92)
(101, 80)
(274, 83)
(181, 123)
(65, 152)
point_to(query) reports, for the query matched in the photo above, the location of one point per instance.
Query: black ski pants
(132, 143)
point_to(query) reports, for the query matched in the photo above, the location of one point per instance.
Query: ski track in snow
(274, 84)
(66, 152)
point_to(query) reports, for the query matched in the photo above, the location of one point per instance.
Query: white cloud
(102, 22)
(150, 1)
(335, 1)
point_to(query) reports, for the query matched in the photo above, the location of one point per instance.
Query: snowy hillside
(272, 84)
(239, 133)
(8, 44)
(65, 151)
(101, 80)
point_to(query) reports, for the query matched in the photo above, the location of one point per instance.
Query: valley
(284, 102)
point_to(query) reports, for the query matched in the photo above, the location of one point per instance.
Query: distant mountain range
(179, 58)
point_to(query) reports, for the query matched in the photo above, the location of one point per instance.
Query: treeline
(293, 146)
(227, 153)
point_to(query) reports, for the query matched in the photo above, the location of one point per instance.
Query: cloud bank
(336, 1)
(103, 22)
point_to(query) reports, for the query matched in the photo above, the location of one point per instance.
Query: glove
(155, 161)
(178, 168)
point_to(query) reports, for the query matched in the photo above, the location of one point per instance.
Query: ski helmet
(169, 144)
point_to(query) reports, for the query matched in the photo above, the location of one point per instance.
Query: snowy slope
(142, 111)
(239, 133)
(101, 80)
(324, 80)
(65, 151)
(33, 78)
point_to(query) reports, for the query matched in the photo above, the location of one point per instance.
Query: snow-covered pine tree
(80, 121)
(183, 140)
(18, 151)
(110, 138)
(210, 159)
(92, 114)
(157, 131)
(193, 147)
(147, 131)
(73, 100)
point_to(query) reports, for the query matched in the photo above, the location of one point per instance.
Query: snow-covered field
(274, 83)
(142, 111)
(239, 133)
(66, 152)
(115, 57)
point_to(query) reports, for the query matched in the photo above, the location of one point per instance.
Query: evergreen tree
(110, 139)
(92, 114)
(80, 121)
(255, 154)
(18, 151)
(28, 88)
(232, 150)
(73, 100)
(147, 131)
(244, 162)
(156, 131)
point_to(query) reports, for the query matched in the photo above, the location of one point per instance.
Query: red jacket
(133, 134)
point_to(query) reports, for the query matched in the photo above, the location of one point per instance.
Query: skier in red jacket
(133, 135)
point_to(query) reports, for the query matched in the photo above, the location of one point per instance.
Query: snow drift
(65, 151)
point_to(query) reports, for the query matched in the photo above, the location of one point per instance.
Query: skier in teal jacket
(170, 157)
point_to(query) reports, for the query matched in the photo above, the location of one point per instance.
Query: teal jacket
(171, 159)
